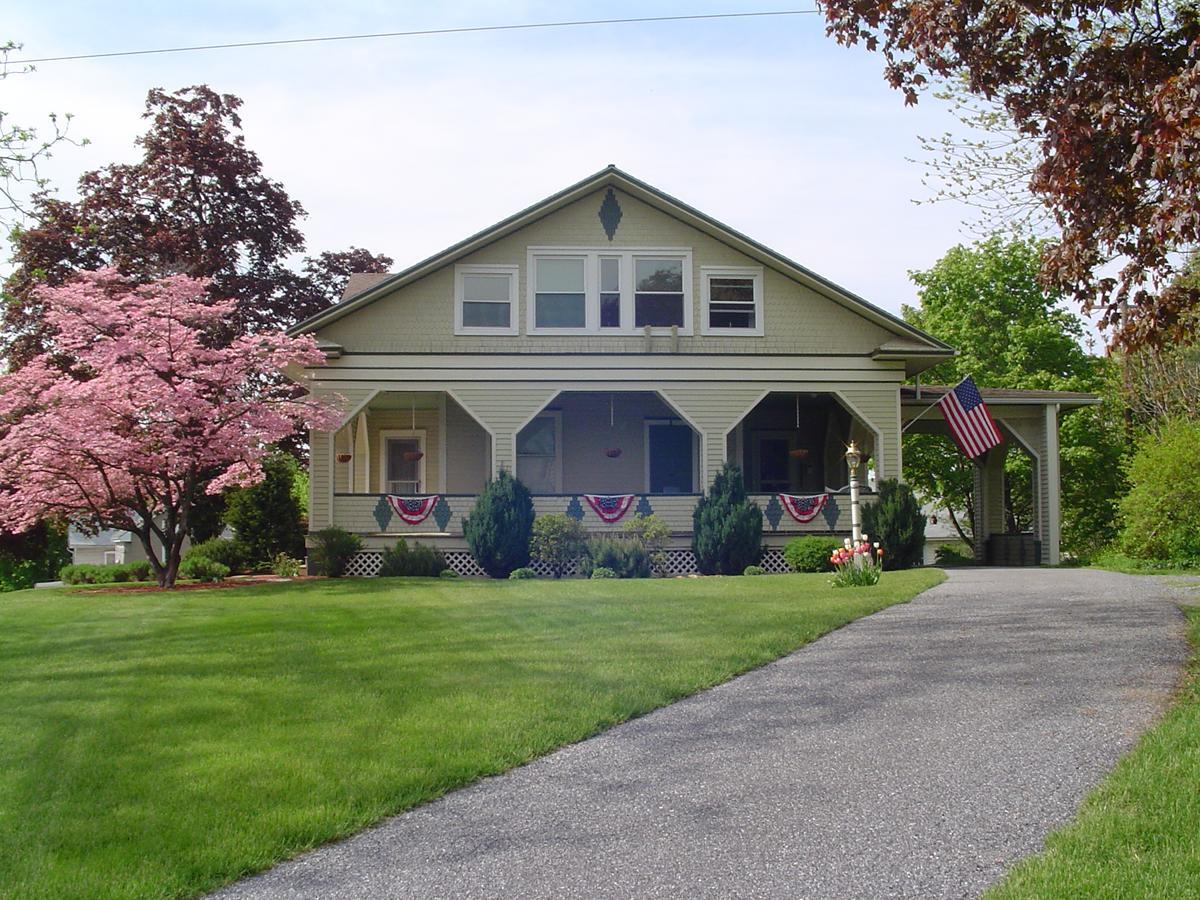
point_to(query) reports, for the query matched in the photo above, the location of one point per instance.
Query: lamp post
(853, 458)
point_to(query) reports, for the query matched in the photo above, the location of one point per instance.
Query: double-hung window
(731, 300)
(485, 299)
(609, 290)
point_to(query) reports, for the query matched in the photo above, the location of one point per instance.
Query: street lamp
(853, 458)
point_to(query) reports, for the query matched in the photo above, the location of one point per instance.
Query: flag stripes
(970, 423)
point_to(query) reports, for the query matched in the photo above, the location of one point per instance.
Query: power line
(429, 31)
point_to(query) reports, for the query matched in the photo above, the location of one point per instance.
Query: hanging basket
(413, 455)
(799, 453)
(344, 457)
(612, 452)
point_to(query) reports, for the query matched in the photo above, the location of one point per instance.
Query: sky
(407, 145)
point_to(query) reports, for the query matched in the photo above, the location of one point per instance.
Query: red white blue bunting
(413, 510)
(804, 507)
(610, 507)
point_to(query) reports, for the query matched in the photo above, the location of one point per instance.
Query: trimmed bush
(558, 541)
(201, 568)
(627, 558)
(448, 573)
(499, 528)
(1161, 513)
(266, 515)
(603, 572)
(231, 554)
(652, 532)
(897, 523)
(522, 574)
(726, 526)
(333, 548)
(118, 573)
(420, 561)
(811, 553)
(754, 570)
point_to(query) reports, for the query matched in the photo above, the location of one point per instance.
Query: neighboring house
(107, 547)
(611, 340)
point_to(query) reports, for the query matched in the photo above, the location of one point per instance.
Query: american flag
(969, 420)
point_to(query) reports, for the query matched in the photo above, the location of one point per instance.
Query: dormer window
(485, 299)
(609, 290)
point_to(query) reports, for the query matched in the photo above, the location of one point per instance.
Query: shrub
(603, 572)
(726, 526)
(956, 554)
(448, 573)
(1160, 515)
(333, 548)
(558, 542)
(201, 568)
(754, 570)
(896, 522)
(626, 558)
(652, 532)
(285, 566)
(118, 573)
(499, 527)
(266, 515)
(420, 560)
(521, 574)
(811, 553)
(231, 554)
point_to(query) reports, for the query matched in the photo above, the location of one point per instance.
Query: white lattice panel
(680, 562)
(773, 562)
(462, 562)
(365, 564)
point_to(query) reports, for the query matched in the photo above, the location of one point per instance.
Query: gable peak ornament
(610, 213)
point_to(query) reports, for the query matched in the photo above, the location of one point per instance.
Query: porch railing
(371, 514)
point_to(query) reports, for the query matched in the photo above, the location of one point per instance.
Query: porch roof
(931, 393)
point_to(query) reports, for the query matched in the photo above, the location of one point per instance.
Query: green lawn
(158, 745)
(1138, 834)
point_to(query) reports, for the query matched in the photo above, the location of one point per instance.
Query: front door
(671, 451)
(773, 469)
(403, 465)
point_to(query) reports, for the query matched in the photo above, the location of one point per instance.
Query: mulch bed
(236, 581)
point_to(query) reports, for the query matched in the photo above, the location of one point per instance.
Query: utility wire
(430, 31)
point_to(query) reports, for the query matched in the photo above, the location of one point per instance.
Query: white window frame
(591, 257)
(556, 416)
(387, 434)
(709, 272)
(512, 273)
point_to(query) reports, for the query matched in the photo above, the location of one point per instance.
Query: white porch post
(1050, 552)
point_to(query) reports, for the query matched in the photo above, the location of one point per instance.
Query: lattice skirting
(366, 564)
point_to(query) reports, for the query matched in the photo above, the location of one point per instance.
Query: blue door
(672, 456)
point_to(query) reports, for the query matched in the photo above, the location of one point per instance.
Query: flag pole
(929, 407)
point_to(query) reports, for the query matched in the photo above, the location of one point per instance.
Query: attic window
(485, 299)
(732, 300)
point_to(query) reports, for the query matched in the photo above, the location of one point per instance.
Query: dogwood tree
(118, 422)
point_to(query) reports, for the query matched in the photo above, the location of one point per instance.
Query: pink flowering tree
(122, 422)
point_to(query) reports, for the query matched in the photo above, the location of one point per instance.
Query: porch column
(989, 500)
(1051, 487)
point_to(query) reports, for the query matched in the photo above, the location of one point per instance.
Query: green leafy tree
(986, 300)
(558, 541)
(896, 522)
(499, 528)
(726, 526)
(1161, 512)
(266, 516)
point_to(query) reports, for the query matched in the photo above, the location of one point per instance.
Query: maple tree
(1108, 93)
(133, 405)
(197, 203)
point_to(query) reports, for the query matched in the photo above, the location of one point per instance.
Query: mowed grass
(159, 745)
(1138, 833)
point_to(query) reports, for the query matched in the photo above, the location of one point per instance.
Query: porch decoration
(414, 455)
(804, 507)
(345, 457)
(644, 508)
(413, 510)
(610, 507)
(611, 452)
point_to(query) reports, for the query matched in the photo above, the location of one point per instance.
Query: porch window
(658, 297)
(403, 463)
(560, 299)
(732, 299)
(485, 299)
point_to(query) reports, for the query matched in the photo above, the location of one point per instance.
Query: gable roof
(915, 341)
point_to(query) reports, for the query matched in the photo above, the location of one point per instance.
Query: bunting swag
(610, 507)
(804, 507)
(413, 510)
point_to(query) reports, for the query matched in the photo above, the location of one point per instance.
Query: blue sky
(406, 145)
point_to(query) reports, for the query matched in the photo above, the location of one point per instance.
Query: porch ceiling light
(853, 456)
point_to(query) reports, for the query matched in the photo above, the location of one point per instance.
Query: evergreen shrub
(499, 528)
(896, 522)
(726, 526)
(333, 548)
(419, 560)
(628, 559)
(266, 516)
(234, 554)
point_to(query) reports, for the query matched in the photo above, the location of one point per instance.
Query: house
(108, 546)
(613, 347)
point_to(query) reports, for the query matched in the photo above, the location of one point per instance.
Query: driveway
(914, 753)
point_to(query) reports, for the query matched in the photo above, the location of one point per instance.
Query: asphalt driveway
(914, 753)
